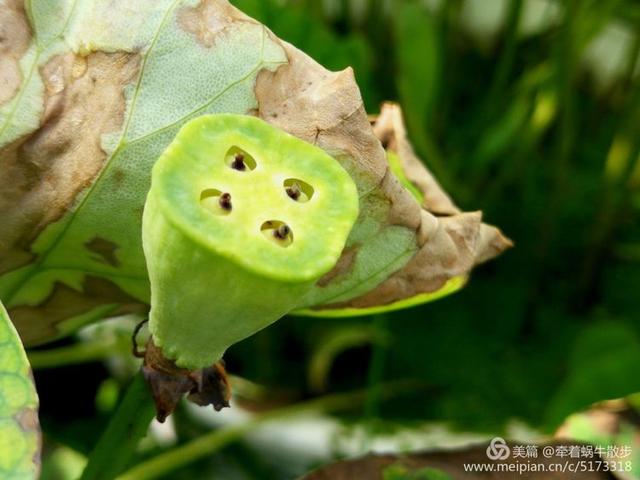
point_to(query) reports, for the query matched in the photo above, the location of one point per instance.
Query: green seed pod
(241, 220)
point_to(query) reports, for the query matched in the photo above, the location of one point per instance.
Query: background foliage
(528, 110)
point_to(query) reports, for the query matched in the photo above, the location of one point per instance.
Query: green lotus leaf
(95, 92)
(19, 428)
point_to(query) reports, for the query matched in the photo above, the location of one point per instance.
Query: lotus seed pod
(240, 221)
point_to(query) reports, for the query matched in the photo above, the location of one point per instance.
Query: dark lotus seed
(293, 191)
(238, 162)
(282, 231)
(225, 201)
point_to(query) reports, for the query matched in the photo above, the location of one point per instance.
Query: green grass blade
(128, 425)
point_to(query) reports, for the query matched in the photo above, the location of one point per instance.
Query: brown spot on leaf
(344, 265)
(105, 250)
(38, 323)
(209, 19)
(27, 418)
(43, 173)
(15, 36)
(118, 175)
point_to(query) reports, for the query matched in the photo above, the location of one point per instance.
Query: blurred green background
(526, 109)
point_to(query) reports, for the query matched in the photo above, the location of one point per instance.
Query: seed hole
(240, 160)
(298, 190)
(278, 232)
(216, 202)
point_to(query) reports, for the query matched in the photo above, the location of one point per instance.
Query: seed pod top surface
(257, 196)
